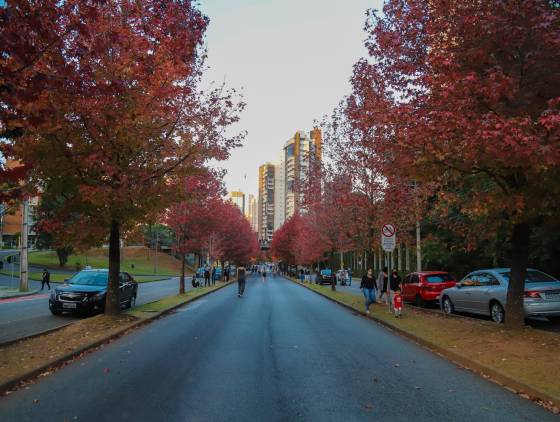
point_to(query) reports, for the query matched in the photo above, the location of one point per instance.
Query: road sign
(388, 238)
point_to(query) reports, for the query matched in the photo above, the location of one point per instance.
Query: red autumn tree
(188, 219)
(111, 106)
(464, 98)
(284, 240)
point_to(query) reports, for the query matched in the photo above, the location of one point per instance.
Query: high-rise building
(300, 153)
(253, 212)
(282, 184)
(279, 193)
(266, 202)
(238, 198)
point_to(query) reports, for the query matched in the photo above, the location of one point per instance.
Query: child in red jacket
(397, 303)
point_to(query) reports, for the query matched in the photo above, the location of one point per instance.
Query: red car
(425, 287)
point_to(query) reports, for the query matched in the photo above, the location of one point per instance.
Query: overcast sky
(291, 58)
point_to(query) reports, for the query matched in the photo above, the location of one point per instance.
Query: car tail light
(533, 294)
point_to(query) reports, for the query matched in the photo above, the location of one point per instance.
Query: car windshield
(438, 278)
(90, 278)
(533, 276)
(326, 272)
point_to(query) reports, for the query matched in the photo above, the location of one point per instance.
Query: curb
(488, 373)
(18, 381)
(40, 333)
(23, 294)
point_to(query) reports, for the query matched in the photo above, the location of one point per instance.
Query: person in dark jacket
(396, 281)
(368, 288)
(206, 277)
(240, 281)
(46, 279)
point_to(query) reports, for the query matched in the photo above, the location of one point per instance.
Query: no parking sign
(388, 237)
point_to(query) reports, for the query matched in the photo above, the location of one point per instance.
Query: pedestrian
(228, 269)
(213, 276)
(368, 287)
(396, 281)
(349, 276)
(264, 274)
(397, 303)
(382, 279)
(206, 276)
(195, 282)
(240, 281)
(46, 279)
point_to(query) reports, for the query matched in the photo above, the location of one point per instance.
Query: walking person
(46, 279)
(368, 287)
(349, 272)
(213, 276)
(206, 277)
(396, 281)
(240, 281)
(382, 280)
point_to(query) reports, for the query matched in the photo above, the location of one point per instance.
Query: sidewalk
(8, 292)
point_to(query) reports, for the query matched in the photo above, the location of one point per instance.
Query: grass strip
(527, 356)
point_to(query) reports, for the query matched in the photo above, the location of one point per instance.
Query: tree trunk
(515, 315)
(112, 301)
(182, 279)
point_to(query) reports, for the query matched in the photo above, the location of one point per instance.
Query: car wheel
(420, 302)
(497, 312)
(56, 312)
(447, 306)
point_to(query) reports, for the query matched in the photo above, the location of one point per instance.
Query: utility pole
(23, 274)
(2, 211)
(418, 248)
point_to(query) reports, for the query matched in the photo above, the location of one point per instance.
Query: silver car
(484, 292)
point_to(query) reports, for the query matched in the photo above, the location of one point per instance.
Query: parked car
(484, 292)
(326, 276)
(85, 292)
(425, 287)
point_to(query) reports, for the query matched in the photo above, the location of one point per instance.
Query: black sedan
(86, 291)
(326, 276)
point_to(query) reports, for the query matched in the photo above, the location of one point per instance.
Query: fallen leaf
(106, 370)
(396, 365)
(369, 406)
(35, 401)
(375, 380)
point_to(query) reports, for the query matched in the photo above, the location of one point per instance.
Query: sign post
(388, 243)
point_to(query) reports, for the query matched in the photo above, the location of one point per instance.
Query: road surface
(28, 315)
(281, 353)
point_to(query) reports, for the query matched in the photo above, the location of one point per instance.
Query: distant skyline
(292, 59)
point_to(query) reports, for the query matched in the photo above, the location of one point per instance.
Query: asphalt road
(281, 353)
(30, 314)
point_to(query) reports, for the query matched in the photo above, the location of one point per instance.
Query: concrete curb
(23, 294)
(20, 380)
(488, 373)
(40, 333)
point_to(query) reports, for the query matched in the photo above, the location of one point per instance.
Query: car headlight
(97, 296)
